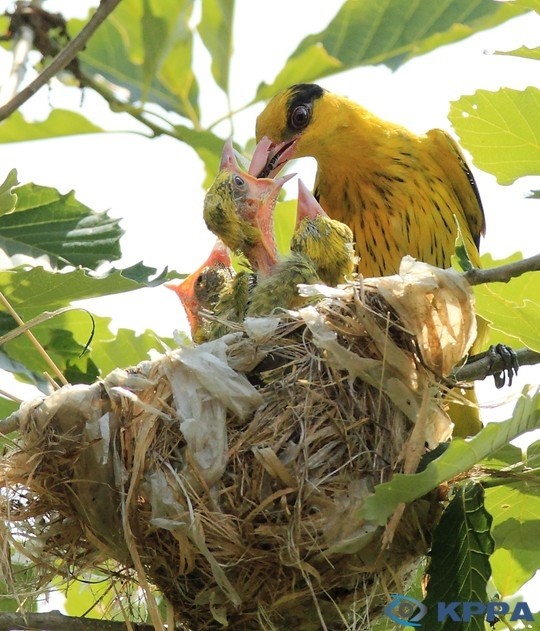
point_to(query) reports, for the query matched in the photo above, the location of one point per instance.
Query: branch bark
(63, 59)
(55, 621)
(503, 273)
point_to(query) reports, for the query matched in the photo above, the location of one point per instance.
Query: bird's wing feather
(446, 151)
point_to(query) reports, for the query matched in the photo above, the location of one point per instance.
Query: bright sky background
(155, 185)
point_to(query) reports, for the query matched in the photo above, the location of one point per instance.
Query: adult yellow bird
(400, 193)
(321, 251)
(202, 288)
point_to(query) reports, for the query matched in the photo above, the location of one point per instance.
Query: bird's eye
(300, 116)
(239, 181)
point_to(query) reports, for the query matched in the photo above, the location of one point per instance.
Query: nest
(230, 475)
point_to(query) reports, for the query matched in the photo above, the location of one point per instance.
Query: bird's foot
(510, 361)
(502, 363)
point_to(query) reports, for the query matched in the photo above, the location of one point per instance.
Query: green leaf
(58, 123)
(154, 65)
(515, 508)
(509, 308)
(523, 51)
(533, 5)
(284, 224)
(47, 223)
(533, 455)
(36, 290)
(459, 569)
(497, 129)
(459, 457)
(8, 199)
(127, 349)
(216, 31)
(507, 456)
(374, 32)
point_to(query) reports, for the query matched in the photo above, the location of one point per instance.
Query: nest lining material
(229, 474)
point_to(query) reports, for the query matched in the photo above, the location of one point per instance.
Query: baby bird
(239, 207)
(322, 249)
(202, 289)
(327, 242)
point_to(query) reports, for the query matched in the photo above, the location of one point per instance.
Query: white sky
(155, 186)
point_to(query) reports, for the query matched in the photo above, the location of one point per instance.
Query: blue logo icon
(405, 610)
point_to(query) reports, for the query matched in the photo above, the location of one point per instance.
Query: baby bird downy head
(202, 288)
(239, 208)
(327, 242)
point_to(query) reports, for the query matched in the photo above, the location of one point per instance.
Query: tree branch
(487, 365)
(63, 59)
(503, 273)
(55, 621)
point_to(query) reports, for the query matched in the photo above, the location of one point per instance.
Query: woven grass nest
(229, 475)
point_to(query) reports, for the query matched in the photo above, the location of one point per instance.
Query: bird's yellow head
(297, 121)
(239, 207)
(327, 242)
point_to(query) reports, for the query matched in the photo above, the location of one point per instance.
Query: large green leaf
(146, 47)
(81, 345)
(509, 307)
(459, 568)
(459, 457)
(216, 31)
(499, 131)
(47, 223)
(389, 32)
(127, 349)
(515, 508)
(58, 123)
(33, 291)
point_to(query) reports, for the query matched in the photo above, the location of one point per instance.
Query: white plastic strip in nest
(436, 306)
(205, 387)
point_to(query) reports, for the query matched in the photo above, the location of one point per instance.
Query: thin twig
(34, 341)
(503, 273)
(63, 59)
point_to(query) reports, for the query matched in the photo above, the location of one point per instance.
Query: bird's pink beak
(264, 193)
(307, 207)
(229, 160)
(185, 288)
(268, 157)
